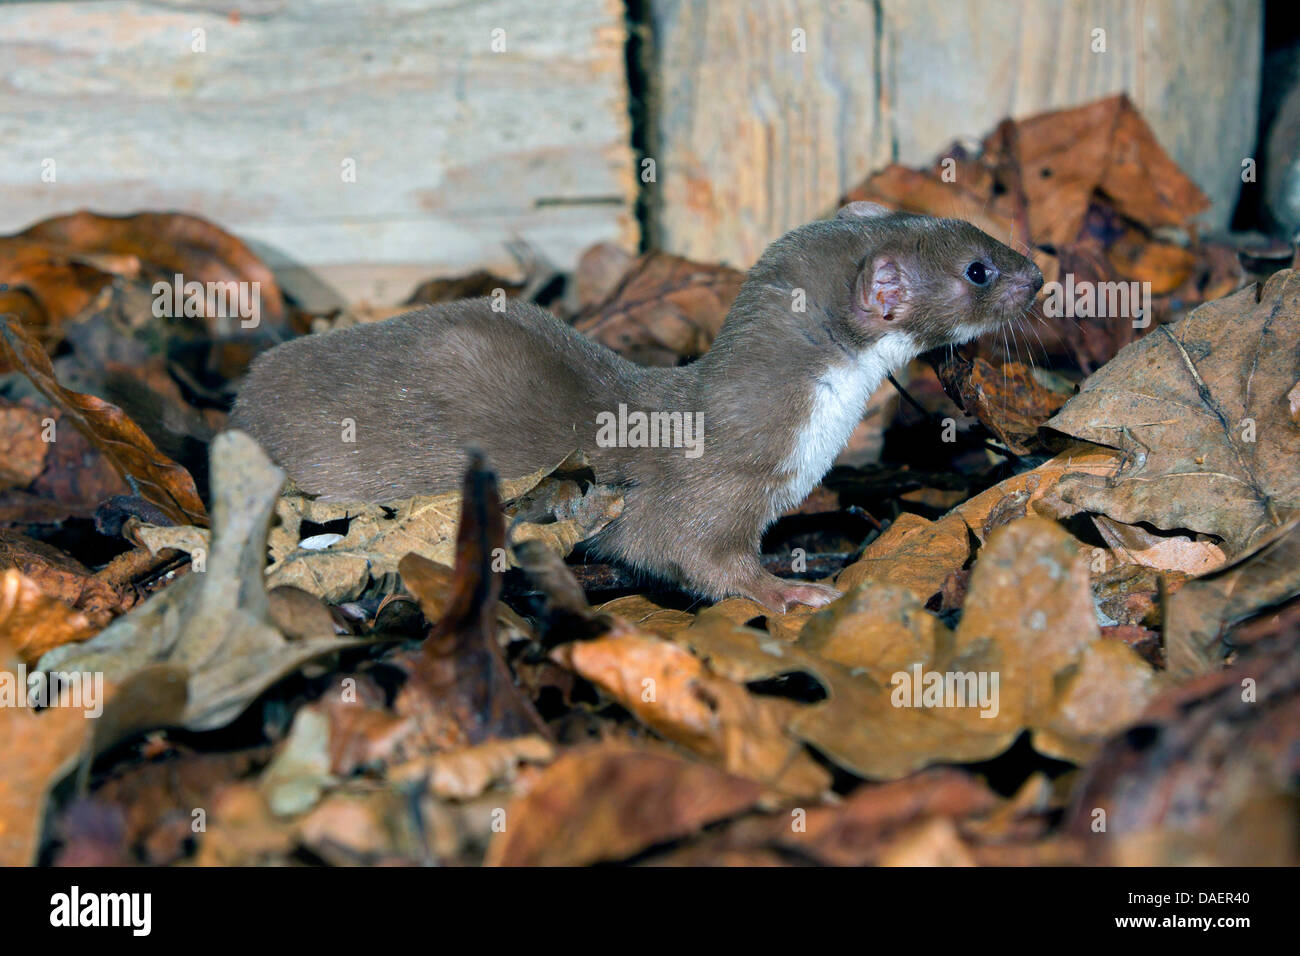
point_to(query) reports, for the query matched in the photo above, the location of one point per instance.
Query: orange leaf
(156, 477)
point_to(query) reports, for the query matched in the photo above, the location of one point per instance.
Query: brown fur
(526, 388)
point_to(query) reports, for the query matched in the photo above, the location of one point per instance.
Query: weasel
(829, 311)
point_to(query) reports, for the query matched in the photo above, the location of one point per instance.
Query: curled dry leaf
(157, 478)
(610, 802)
(33, 622)
(1199, 614)
(1032, 492)
(1198, 410)
(914, 553)
(462, 774)
(665, 308)
(62, 578)
(379, 536)
(1068, 156)
(166, 244)
(1008, 401)
(44, 286)
(214, 624)
(678, 696)
(459, 688)
(1134, 544)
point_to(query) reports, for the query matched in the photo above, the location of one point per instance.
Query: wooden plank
(458, 149)
(750, 136)
(930, 71)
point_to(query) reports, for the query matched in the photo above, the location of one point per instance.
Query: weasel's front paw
(780, 596)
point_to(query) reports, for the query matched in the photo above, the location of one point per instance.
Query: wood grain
(458, 149)
(753, 139)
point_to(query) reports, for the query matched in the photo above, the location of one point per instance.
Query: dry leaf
(158, 479)
(379, 536)
(676, 695)
(914, 553)
(215, 624)
(1199, 614)
(610, 802)
(1198, 410)
(664, 309)
(32, 622)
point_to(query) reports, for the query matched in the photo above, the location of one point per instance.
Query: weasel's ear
(882, 290)
(863, 210)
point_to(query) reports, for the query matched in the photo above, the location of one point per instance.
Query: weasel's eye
(978, 273)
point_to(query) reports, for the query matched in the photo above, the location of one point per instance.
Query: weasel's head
(941, 281)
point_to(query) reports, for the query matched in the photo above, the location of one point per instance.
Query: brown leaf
(1199, 614)
(166, 244)
(39, 750)
(1133, 544)
(664, 309)
(878, 627)
(1198, 409)
(1069, 155)
(1210, 752)
(1009, 401)
(1031, 492)
(681, 698)
(870, 820)
(914, 553)
(61, 577)
(33, 622)
(460, 689)
(159, 479)
(214, 624)
(610, 802)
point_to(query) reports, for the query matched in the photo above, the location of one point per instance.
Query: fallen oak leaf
(33, 622)
(215, 624)
(913, 552)
(459, 688)
(380, 535)
(609, 802)
(664, 308)
(1199, 615)
(1198, 410)
(679, 697)
(167, 244)
(155, 477)
(1133, 544)
(1032, 492)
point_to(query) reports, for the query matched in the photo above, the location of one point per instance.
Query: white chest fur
(838, 400)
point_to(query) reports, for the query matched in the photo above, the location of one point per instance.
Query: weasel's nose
(1034, 279)
(1028, 281)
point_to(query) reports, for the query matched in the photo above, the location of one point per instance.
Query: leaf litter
(450, 679)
